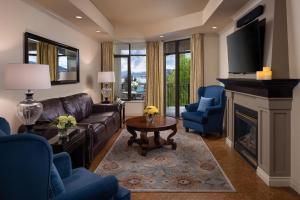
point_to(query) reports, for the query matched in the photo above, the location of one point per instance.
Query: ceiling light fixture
(161, 36)
(214, 27)
(98, 31)
(78, 17)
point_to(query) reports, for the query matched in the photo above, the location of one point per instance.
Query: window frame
(128, 56)
(177, 54)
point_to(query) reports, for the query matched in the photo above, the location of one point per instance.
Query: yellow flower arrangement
(150, 110)
(65, 122)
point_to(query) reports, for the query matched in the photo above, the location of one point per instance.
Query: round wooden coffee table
(159, 124)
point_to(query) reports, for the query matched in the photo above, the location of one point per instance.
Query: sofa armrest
(89, 140)
(191, 107)
(63, 163)
(105, 188)
(99, 108)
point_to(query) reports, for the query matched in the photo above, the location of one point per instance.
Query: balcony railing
(184, 94)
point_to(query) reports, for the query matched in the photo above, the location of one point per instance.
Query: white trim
(295, 185)
(273, 181)
(229, 142)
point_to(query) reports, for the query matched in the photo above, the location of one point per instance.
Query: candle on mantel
(268, 75)
(260, 75)
(266, 69)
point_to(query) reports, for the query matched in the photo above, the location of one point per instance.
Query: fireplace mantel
(272, 100)
(276, 88)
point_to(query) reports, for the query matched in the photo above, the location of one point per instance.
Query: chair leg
(187, 129)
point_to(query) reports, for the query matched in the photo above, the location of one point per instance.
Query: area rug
(189, 168)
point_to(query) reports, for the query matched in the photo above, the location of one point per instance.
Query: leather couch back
(52, 108)
(78, 105)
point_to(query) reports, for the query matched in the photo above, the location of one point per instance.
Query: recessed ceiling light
(78, 17)
(98, 31)
(214, 27)
(161, 36)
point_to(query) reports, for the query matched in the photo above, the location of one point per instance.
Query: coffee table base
(148, 143)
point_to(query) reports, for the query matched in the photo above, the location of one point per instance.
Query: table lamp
(106, 78)
(27, 77)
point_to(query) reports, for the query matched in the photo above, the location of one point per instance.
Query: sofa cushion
(193, 116)
(56, 185)
(204, 103)
(78, 105)
(52, 108)
(103, 118)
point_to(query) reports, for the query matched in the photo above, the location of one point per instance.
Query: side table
(74, 144)
(122, 113)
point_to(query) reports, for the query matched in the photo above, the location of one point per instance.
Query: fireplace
(245, 133)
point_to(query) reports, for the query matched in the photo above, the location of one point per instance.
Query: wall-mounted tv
(246, 47)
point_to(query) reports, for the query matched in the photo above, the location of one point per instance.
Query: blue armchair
(210, 121)
(25, 170)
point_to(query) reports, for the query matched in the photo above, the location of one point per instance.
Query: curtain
(155, 76)
(197, 68)
(107, 62)
(47, 54)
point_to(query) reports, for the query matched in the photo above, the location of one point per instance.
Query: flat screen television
(246, 47)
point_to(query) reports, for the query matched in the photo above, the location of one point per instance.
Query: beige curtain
(155, 71)
(47, 54)
(107, 62)
(197, 68)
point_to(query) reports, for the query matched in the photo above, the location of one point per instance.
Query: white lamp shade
(26, 76)
(106, 77)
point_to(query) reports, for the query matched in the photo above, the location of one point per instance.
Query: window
(130, 70)
(177, 76)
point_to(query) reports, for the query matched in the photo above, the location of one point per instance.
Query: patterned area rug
(190, 168)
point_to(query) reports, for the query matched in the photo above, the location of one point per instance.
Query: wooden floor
(248, 185)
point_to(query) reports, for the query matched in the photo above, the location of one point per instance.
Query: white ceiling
(128, 12)
(139, 20)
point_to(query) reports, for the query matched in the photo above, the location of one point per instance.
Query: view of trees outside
(184, 79)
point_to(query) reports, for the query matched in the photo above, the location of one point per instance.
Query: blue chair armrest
(63, 163)
(213, 110)
(191, 107)
(105, 188)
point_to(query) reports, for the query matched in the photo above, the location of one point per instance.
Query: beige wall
(17, 17)
(293, 7)
(211, 59)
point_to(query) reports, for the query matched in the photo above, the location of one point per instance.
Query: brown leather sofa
(100, 121)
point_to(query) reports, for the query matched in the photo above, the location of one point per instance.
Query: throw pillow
(56, 186)
(204, 103)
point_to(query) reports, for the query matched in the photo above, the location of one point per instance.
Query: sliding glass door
(177, 76)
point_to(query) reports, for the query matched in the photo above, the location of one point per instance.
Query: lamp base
(29, 110)
(106, 101)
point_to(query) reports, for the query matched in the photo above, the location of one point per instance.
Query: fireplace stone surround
(272, 100)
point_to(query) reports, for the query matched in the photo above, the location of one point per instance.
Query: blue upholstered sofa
(26, 167)
(210, 121)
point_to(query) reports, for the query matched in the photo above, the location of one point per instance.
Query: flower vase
(150, 118)
(62, 133)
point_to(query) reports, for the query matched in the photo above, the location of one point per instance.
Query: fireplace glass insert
(245, 133)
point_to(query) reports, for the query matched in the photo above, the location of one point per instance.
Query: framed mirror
(63, 60)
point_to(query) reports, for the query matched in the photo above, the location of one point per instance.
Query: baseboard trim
(295, 185)
(273, 181)
(228, 142)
